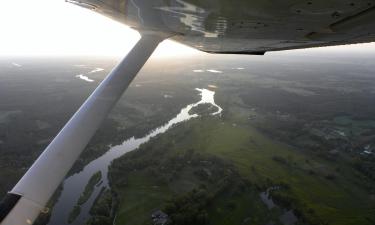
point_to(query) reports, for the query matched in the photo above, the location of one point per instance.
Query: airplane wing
(247, 27)
(216, 26)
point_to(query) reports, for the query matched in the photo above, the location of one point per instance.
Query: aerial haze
(293, 143)
(287, 138)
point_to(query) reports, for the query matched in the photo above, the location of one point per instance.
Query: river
(74, 185)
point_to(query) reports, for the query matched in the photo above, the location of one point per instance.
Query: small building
(334, 152)
(159, 217)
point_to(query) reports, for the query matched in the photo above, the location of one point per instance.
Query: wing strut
(30, 195)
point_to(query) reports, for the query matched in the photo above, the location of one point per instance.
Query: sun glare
(55, 27)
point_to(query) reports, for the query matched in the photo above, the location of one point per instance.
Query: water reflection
(85, 78)
(193, 17)
(96, 70)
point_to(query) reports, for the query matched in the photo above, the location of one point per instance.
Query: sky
(54, 27)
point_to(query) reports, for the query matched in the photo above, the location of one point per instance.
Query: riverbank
(74, 185)
(159, 174)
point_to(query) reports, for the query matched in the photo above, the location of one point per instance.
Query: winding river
(74, 185)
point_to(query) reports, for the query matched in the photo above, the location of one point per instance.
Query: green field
(338, 201)
(192, 187)
(320, 191)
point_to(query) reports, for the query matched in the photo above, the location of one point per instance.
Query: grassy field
(321, 191)
(202, 186)
(338, 201)
(140, 199)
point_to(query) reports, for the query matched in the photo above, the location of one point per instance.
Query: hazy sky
(40, 27)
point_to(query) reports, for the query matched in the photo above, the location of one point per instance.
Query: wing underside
(248, 27)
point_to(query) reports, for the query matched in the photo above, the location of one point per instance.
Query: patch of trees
(165, 163)
(89, 189)
(189, 208)
(102, 210)
(365, 165)
(305, 214)
(203, 109)
(280, 160)
(330, 176)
